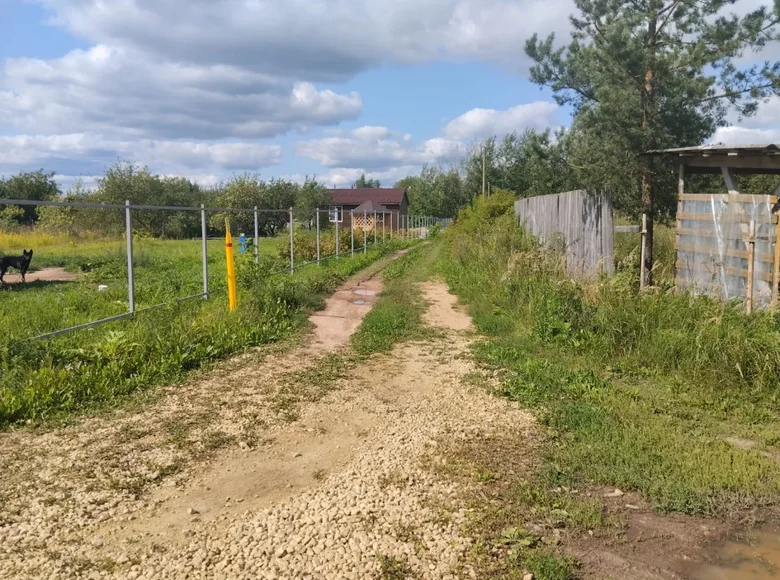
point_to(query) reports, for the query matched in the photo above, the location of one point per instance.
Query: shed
(726, 243)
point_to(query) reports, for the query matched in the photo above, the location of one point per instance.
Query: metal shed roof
(745, 159)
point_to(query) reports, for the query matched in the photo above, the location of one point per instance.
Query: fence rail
(406, 227)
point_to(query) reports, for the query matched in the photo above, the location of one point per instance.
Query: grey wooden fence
(578, 223)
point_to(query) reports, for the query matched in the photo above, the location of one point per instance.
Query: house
(390, 204)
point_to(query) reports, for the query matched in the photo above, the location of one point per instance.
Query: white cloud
(377, 148)
(482, 123)
(746, 136)
(122, 91)
(314, 39)
(379, 151)
(88, 154)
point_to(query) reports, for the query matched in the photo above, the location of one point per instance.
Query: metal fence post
(317, 213)
(337, 230)
(130, 279)
(257, 238)
(365, 233)
(384, 215)
(204, 232)
(292, 244)
(352, 231)
(374, 227)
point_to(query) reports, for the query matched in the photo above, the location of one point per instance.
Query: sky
(206, 89)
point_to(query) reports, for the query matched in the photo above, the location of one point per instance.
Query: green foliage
(636, 390)
(127, 181)
(363, 183)
(31, 185)
(435, 192)
(529, 164)
(11, 218)
(650, 75)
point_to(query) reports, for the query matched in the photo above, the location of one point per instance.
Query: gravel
(393, 500)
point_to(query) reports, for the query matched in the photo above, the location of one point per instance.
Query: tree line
(127, 181)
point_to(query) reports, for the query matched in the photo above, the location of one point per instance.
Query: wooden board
(730, 270)
(707, 217)
(760, 256)
(738, 198)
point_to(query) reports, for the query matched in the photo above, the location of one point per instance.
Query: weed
(397, 315)
(392, 479)
(392, 568)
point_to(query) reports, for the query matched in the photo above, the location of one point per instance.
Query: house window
(336, 213)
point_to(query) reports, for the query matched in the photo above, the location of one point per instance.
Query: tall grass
(639, 390)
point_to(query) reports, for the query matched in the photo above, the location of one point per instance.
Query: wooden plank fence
(578, 223)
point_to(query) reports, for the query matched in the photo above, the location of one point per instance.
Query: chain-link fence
(143, 257)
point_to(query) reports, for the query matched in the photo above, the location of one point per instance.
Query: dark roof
(370, 206)
(713, 150)
(385, 195)
(742, 159)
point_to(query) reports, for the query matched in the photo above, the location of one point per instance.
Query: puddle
(755, 558)
(363, 292)
(361, 302)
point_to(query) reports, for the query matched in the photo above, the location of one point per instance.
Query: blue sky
(336, 88)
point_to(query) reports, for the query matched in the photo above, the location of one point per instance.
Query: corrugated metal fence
(578, 223)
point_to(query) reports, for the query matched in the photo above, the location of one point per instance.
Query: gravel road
(353, 487)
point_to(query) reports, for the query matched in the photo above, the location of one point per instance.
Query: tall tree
(651, 74)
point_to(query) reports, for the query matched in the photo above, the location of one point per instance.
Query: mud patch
(42, 275)
(756, 556)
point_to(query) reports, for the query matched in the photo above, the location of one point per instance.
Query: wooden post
(776, 270)
(751, 260)
(680, 192)
(643, 253)
(484, 174)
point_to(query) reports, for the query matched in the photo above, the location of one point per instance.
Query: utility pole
(484, 155)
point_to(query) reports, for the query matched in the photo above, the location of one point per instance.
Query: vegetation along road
(460, 409)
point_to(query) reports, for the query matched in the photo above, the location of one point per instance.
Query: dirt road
(42, 275)
(298, 463)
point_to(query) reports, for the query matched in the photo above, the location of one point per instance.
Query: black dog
(21, 263)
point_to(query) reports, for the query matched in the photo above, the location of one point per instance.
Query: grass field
(92, 367)
(163, 271)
